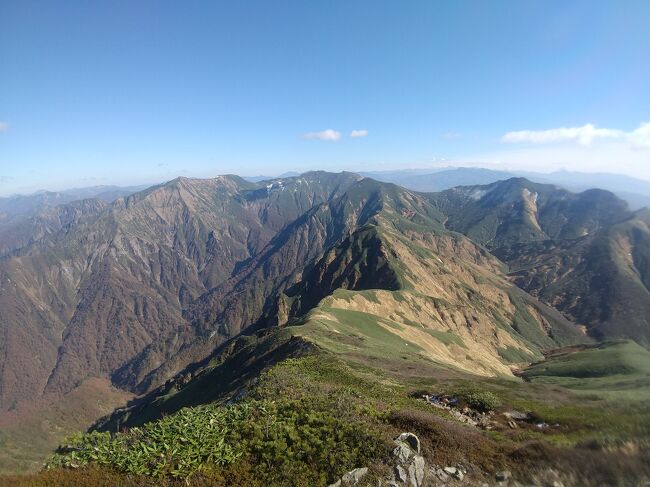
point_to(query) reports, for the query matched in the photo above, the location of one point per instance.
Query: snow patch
(477, 194)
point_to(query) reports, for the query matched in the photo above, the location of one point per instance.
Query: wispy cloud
(451, 135)
(358, 133)
(328, 135)
(584, 135)
(4, 126)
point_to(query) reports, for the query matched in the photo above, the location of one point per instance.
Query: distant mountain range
(635, 191)
(26, 218)
(28, 205)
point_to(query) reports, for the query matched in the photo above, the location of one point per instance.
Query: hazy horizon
(289, 173)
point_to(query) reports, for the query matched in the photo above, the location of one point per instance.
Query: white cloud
(451, 135)
(585, 135)
(4, 126)
(358, 133)
(640, 138)
(329, 135)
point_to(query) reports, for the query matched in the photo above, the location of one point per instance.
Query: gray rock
(416, 471)
(411, 440)
(503, 475)
(400, 474)
(409, 466)
(517, 415)
(402, 452)
(456, 473)
(440, 474)
(353, 477)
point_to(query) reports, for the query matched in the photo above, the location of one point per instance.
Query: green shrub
(281, 439)
(480, 400)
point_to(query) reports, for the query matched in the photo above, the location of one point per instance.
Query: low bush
(282, 439)
(480, 400)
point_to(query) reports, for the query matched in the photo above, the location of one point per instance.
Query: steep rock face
(359, 262)
(90, 298)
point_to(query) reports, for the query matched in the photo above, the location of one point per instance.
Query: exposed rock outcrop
(408, 465)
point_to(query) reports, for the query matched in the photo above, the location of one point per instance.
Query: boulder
(353, 477)
(456, 473)
(450, 470)
(516, 415)
(416, 471)
(402, 453)
(409, 465)
(503, 475)
(411, 440)
(400, 474)
(440, 474)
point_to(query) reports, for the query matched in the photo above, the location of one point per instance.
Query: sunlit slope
(445, 300)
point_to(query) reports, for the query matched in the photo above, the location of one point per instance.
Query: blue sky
(141, 91)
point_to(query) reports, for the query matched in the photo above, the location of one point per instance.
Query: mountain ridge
(147, 290)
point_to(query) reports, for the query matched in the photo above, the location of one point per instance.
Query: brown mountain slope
(88, 299)
(21, 232)
(157, 280)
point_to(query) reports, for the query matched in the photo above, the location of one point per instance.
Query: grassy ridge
(613, 369)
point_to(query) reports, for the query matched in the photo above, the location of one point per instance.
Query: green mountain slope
(519, 211)
(583, 254)
(599, 280)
